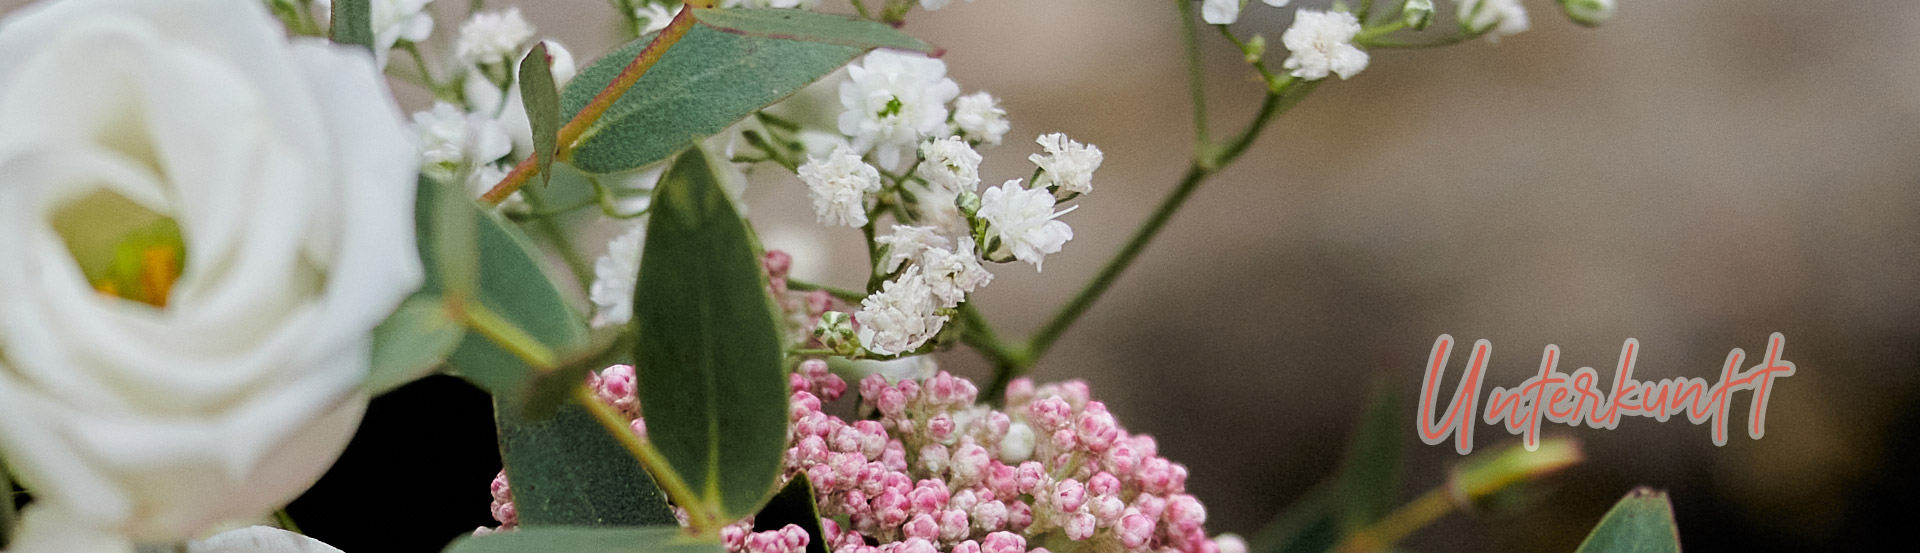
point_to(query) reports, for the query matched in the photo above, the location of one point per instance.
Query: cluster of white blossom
(903, 146)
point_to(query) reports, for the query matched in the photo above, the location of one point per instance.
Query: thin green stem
(873, 256)
(861, 8)
(1387, 531)
(285, 521)
(842, 294)
(509, 337)
(1274, 104)
(1196, 79)
(702, 520)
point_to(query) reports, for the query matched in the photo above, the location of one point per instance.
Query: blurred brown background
(1694, 174)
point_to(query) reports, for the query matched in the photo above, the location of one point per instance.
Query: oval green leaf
(734, 63)
(510, 283)
(585, 540)
(1642, 522)
(566, 470)
(352, 22)
(541, 98)
(411, 343)
(712, 383)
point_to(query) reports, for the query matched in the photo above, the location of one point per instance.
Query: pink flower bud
(501, 490)
(1049, 414)
(910, 390)
(1003, 542)
(1106, 509)
(1080, 526)
(1030, 477)
(922, 526)
(873, 438)
(940, 389)
(823, 477)
(969, 464)
(1123, 458)
(989, 516)
(871, 388)
(890, 508)
(1135, 530)
(1155, 475)
(971, 546)
(845, 438)
(997, 423)
(892, 403)
(929, 497)
(818, 302)
(1185, 513)
(812, 449)
(829, 530)
(734, 536)
(873, 479)
(1020, 391)
(1069, 495)
(1064, 440)
(916, 545)
(638, 427)
(1151, 506)
(1075, 392)
(895, 456)
(964, 500)
(940, 428)
(933, 459)
(1103, 484)
(964, 392)
(1019, 516)
(797, 382)
(777, 263)
(1176, 478)
(506, 514)
(1001, 479)
(795, 538)
(1098, 430)
(1147, 447)
(953, 525)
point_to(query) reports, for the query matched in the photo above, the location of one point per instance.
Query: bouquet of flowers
(224, 237)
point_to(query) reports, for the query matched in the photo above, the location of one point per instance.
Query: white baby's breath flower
(1068, 164)
(614, 275)
(907, 243)
(452, 140)
(493, 37)
(269, 184)
(901, 317)
(655, 15)
(1320, 43)
(1496, 18)
(950, 163)
(978, 117)
(937, 208)
(839, 185)
(931, 5)
(1022, 219)
(952, 274)
(392, 21)
(892, 101)
(1220, 12)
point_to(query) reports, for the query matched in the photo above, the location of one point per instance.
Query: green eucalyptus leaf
(562, 539)
(795, 505)
(724, 69)
(512, 284)
(541, 97)
(1371, 472)
(353, 23)
(1642, 522)
(566, 470)
(411, 343)
(708, 351)
(810, 27)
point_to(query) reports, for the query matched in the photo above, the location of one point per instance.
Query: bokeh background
(1695, 175)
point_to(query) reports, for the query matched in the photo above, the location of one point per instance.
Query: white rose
(48, 530)
(224, 378)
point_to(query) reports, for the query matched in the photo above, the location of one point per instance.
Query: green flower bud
(1255, 48)
(1418, 14)
(1588, 12)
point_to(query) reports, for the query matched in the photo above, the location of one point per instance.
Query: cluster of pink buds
(740, 537)
(803, 310)
(936, 473)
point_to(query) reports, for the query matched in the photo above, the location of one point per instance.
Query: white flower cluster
(900, 110)
(1321, 43)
